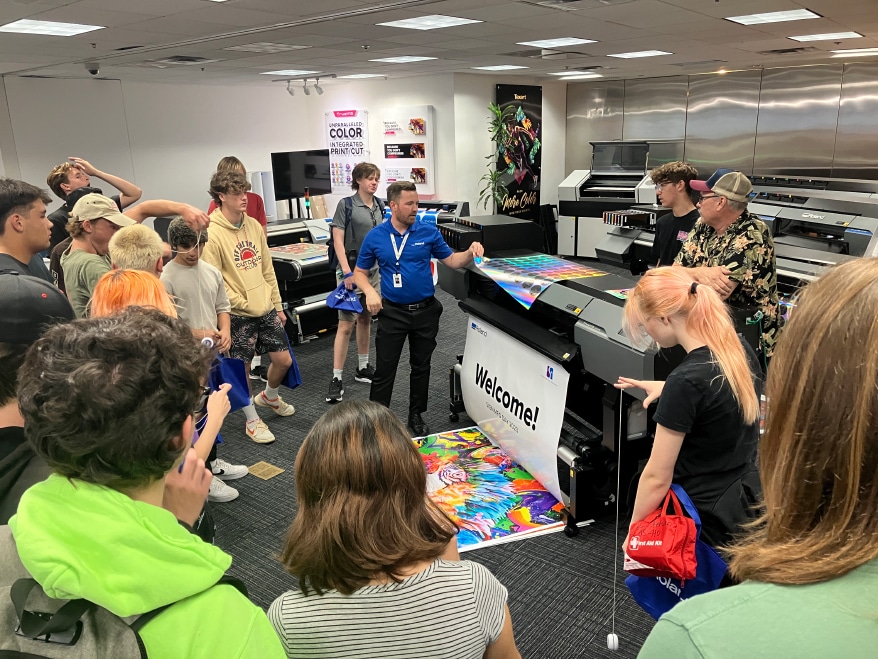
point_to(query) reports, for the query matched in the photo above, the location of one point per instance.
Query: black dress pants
(394, 326)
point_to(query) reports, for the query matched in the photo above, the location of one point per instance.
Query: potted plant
(493, 184)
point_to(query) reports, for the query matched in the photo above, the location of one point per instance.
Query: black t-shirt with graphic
(670, 234)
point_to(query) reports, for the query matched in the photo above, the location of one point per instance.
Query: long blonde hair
(665, 292)
(819, 455)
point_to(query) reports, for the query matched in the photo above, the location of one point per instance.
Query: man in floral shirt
(732, 251)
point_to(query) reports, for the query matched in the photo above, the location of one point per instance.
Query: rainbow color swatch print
(525, 277)
(490, 497)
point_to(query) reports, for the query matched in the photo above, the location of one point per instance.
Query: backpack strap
(142, 620)
(32, 626)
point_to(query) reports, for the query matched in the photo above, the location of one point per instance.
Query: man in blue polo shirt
(403, 247)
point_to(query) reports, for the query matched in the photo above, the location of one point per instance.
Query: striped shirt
(451, 609)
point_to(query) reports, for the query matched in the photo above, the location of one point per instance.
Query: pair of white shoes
(258, 431)
(224, 471)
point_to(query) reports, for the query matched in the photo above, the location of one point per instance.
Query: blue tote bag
(342, 299)
(226, 370)
(657, 595)
(293, 378)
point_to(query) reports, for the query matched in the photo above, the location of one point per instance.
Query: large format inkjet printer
(578, 323)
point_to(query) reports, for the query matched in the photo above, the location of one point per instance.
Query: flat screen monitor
(293, 171)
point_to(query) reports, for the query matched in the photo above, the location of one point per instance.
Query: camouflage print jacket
(747, 249)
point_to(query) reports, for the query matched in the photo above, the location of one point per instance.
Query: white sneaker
(220, 492)
(228, 472)
(259, 432)
(278, 405)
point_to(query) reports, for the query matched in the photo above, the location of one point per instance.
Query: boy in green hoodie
(237, 247)
(107, 403)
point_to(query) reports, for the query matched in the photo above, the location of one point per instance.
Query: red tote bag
(663, 544)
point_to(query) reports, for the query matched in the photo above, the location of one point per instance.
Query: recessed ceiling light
(25, 26)
(433, 22)
(831, 36)
(856, 52)
(556, 43)
(571, 72)
(357, 76)
(500, 67)
(401, 60)
(774, 17)
(288, 72)
(581, 76)
(265, 47)
(640, 53)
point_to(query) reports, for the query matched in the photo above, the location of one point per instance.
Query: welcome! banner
(516, 396)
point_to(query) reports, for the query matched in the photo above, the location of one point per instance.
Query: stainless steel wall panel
(655, 109)
(855, 153)
(594, 112)
(798, 116)
(721, 121)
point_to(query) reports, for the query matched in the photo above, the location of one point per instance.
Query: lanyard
(398, 251)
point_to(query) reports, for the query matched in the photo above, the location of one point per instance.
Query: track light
(317, 87)
(290, 90)
(305, 87)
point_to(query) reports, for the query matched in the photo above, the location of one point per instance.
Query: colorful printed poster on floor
(408, 147)
(347, 134)
(489, 496)
(520, 156)
(516, 396)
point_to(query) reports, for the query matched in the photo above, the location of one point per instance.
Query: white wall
(167, 138)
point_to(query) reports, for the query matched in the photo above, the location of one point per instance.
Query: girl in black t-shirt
(707, 414)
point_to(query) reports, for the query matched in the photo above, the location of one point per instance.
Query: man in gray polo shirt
(365, 212)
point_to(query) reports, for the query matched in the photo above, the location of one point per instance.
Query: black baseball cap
(29, 304)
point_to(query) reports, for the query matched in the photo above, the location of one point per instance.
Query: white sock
(256, 361)
(363, 360)
(336, 373)
(251, 414)
(270, 392)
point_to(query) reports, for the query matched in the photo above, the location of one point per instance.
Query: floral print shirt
(747, 249)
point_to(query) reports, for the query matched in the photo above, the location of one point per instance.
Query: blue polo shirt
(424, 241)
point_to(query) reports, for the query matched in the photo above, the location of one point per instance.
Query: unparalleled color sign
(517, 397)
(520, 156)
(347, 134)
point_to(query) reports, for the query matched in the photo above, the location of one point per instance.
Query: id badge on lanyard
(397, 251)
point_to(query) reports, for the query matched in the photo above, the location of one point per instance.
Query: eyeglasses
(201, 405)
(659, 186)
(189, 250)
(708, 196)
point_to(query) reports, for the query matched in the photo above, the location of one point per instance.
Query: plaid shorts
(263, 334)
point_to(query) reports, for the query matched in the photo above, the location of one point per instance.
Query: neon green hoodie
(241, 255)
(82, 540)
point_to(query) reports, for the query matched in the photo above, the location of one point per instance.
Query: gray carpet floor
(560, 589)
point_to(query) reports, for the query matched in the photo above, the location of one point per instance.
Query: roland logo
(520, 97)
(479, 329)
(670, 585)
(813, 216)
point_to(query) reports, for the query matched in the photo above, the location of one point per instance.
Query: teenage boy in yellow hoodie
(237, 247)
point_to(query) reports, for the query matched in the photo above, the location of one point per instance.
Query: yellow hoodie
(241, 255)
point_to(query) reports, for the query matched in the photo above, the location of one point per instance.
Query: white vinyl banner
(517, 397)
(347, 134)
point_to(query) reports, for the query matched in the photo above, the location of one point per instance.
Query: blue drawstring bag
(226, 370)
(342, 299)
(658, 595)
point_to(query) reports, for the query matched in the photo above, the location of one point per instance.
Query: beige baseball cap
(96, 206)
(727, 183)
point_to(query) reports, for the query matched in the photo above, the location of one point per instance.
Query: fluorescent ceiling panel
(401, 60)
(434, 22)
(500, 67)
(556, 43)
(358, 76)
(856, 52)
(582, 76)
(774, 17)
(288, 72)
(831, 36)
(640, 53)
(265, 47)
(51, 28)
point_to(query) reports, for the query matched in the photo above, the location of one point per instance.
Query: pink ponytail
(670, 291)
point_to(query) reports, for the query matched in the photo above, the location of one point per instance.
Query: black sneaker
(259, 373)
(417, 425)
(336, 391)
(365, 374)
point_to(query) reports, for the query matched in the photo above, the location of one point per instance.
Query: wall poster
(409, 147)
(520, 157)
(347, 134)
